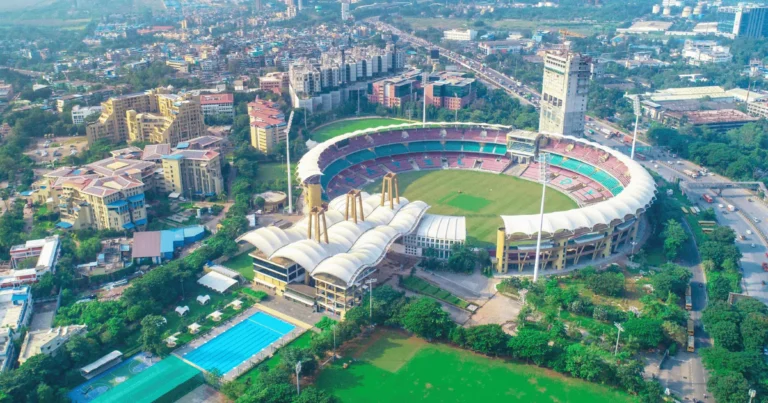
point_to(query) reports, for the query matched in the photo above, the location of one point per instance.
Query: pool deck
(255, 359)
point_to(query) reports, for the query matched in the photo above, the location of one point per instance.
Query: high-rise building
(744, 21)
(268, 125)
(155, 116)
(193, 173)
(345, 10)
(564, 93)
(450, 90)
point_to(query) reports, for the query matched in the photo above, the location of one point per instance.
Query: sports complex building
(326, 257)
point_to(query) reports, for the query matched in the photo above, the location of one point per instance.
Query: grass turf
(484, 197)
(345, 126)
(270, 171)
(253, 374)
(242, 264)
(394, 367)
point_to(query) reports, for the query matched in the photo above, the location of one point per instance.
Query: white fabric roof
(216, 281)
(449, 228)
(308, 165)
(351, 246)
(635, 198)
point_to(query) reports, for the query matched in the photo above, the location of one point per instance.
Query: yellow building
(268, 126)
(193, 173)
(87, 201)
(154, 116)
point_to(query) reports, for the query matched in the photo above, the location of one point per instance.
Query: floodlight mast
(543, 159)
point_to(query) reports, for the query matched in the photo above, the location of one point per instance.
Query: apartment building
(450, 90)
(268, 125)
(274, 82)
(193, 173)
(6, 91)
(90, 201)
(155, 116)
(218, 105)
(564, 93)
(47, 341)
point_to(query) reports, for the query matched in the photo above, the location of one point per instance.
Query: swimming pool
(239, 343)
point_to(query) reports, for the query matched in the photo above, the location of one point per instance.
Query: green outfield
(480, 196)
(345, 126)
(393, 367)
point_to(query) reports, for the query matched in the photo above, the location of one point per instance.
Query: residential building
(193, 173)
(155, 116)
(345, 14)
(79, 113)
(47, 341)
(275, 82)
(218, 105)
(564, 93)
(38, 254)
(6, 349)
(112, 202)
(268, 125)
(15, 307)
(450, 90)
(6, 91)
(460, 35)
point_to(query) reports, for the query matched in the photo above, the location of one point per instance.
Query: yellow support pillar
(313, 195)
(501, 250)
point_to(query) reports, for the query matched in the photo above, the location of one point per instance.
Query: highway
(494, 77)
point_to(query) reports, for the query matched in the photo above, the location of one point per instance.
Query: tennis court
(107, 380)
(229, 349)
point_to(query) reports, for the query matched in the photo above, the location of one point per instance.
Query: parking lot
(54, 149)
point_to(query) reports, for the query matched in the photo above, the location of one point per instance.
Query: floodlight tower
(288, 158)
(543, 160)
(638, 112)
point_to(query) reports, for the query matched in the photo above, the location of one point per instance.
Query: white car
(720, 206)
(749, 232)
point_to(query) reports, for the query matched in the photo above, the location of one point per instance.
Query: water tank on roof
(667, 11)
(687, 11)
(656, 8)
(697, 10)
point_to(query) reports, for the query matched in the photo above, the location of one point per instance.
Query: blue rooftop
(182, 145)
(128, 225)
(136, 198)
(117, 204)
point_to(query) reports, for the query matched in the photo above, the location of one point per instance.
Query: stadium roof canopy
(351, 248)
(634, 199)
(309, 167)
(449, 228)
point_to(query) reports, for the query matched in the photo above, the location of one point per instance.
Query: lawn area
(345, 126)
(482, 199)
(195, 309)
(421, 286)
(242, 264)
(269, 171)
(253, 373)
(395, 367)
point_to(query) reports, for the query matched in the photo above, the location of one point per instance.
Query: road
(526, 95)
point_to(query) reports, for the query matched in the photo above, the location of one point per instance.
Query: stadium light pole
(288, 160)
(638, 112)
(370, 283)
(543, 159)
(752, 394)
(424, 95)
(618, 326)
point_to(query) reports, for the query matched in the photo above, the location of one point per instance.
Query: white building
(437, 232)
(15, 307)
(345, 15)
(697, 53)
(218, 104)
(79, 113)
(47, 341)
(564, 93)
(46, 251)
(459, 35)
(6, 348)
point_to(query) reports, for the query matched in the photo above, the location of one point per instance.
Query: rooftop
(216, 99)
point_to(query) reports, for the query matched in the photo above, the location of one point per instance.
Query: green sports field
(345, 126)
(397, 368)
(480, 196)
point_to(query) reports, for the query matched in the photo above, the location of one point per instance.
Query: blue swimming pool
(239, 343)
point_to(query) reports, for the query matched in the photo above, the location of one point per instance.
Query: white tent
(216, 281)
(182, 310)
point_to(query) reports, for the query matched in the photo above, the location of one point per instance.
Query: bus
(692, 174)
(691, 344)
(707, 198)
(690, 327)
(590, 131)
(688, 302)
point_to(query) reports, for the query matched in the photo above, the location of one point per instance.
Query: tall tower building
(564, 93)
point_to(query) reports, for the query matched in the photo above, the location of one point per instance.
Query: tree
(530, 345)
(671, 278)
(646, 332)
(462, 259)
(726, 335)
(754, 331)
(719, 288)
(426, 318)
(675, 332)
(728, 388)
(609, 283)
(312, 394)
(487, 339)
(674, 238)
(584, 362)
(151, 333)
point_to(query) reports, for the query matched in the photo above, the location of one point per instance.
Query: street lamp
(370, 283)
(334, 342)
(298, 370)
(752, 394)
(618, 326)
(543, 159)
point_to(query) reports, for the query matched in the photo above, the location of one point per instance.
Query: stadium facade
(326, 257)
